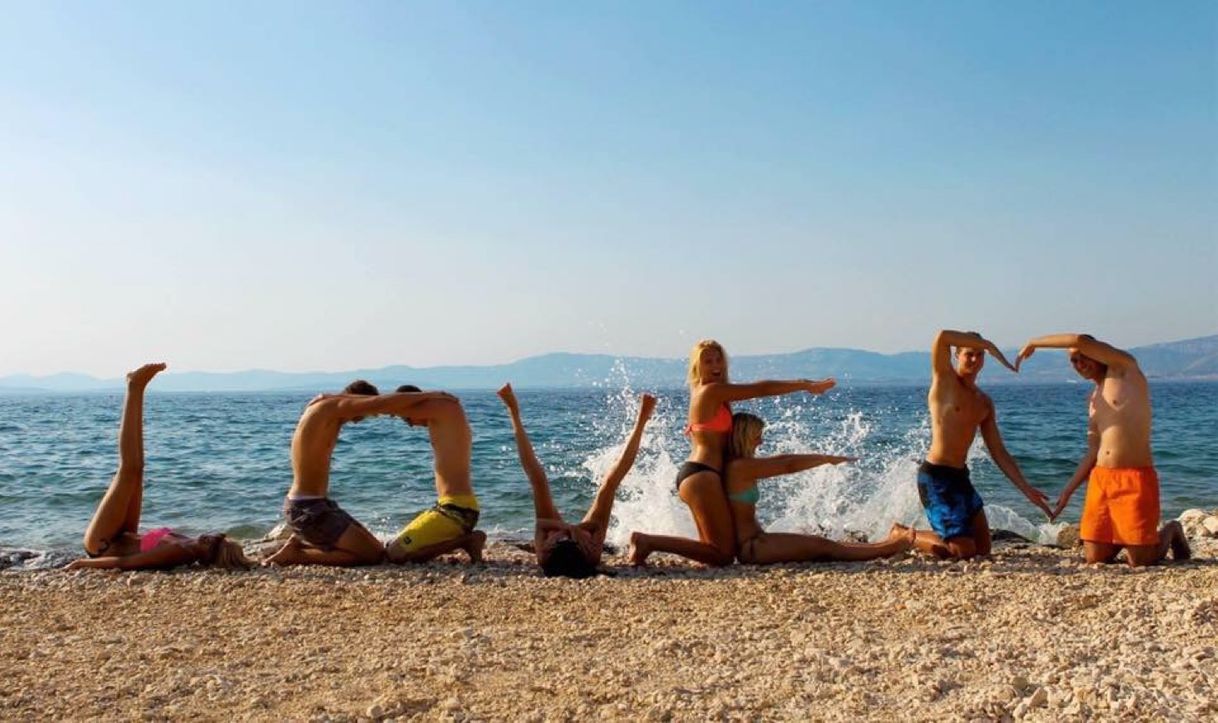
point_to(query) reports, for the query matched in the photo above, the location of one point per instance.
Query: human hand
(1062, 501)
(1002, 359)
(820, 386)
(1024, 353)
(1041, 500)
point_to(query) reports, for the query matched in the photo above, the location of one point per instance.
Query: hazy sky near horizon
(305, 186)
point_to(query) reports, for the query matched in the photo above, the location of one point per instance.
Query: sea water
(220, 461)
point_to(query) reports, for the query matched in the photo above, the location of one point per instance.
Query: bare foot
(1179, 541)
(647, 404)
(509, 398)
(473, 546)
(901, 532)
(639, 550)
(286, 555)
(140, 377)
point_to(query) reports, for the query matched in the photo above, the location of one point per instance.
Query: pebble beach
(1029, 634)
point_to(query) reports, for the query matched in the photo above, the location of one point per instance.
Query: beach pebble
(1211, 525)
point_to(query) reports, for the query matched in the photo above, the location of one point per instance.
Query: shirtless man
(449, 524)
(322, 532)
(957, 410)
(1121, 509)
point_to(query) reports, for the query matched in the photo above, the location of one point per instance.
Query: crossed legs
(118, 513)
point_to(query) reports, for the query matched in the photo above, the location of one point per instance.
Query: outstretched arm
(161, 556)
(941, 349)
(1082, 472)
(762, 467)
(1102, 352)
(350, 406)
(718, 393)
(1006, 463)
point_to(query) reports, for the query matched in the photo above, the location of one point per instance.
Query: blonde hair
(695, 355)
(745, 427)
(231, 555)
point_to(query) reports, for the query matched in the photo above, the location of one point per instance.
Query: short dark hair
(407, 388)
(567, 560)
(359, 386)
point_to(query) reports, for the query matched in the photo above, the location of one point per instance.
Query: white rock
(1211, 525)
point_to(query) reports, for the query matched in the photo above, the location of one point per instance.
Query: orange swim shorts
(1122, 507)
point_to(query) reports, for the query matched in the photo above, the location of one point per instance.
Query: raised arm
(1102, 352)
(1082, 472)
(1006, 463)
(716, 393)
(763, 467)
(941, 350)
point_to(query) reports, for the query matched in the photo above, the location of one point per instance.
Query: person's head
(405, 388)
(1087, 367)
(218, 550)
(746, 434)
(707, 363)
(970, 359)
(362, 388)
(564, 558)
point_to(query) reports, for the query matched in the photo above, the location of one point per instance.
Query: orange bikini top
(721, 422)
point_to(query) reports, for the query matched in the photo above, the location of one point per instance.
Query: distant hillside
(1187, 359)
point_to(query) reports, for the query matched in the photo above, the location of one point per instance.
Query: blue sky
(327, 186)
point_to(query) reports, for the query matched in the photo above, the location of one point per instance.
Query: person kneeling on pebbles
(1121, 509)
(322, 532)
(449, 524)
(564, 549)
(958, 410)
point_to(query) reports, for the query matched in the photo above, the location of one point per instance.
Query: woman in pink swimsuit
(700, 479)
(112, 539)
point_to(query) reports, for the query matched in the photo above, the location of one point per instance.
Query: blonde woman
(700, 479)
(113, 539)
(755, 545)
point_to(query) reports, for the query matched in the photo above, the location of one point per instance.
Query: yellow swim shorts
(452, 517)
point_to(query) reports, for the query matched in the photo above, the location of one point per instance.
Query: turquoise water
(220, 461)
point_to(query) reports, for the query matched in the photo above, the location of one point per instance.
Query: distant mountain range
(1187, 359)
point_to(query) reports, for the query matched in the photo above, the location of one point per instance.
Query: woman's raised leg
(543, 503)
(119, 510)
(602, 505)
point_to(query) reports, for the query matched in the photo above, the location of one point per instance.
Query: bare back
(956, 412)
(452, 442)
(312, 446)
(1119, 412)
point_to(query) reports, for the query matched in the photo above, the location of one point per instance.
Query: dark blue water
(220, 461)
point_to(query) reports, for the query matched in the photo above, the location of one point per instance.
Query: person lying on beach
(322, 532)
(958, 409)
(700, 479)
(564, 549)
(449, 524)
(112, 539)
(758, 547)
(1121, 509)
